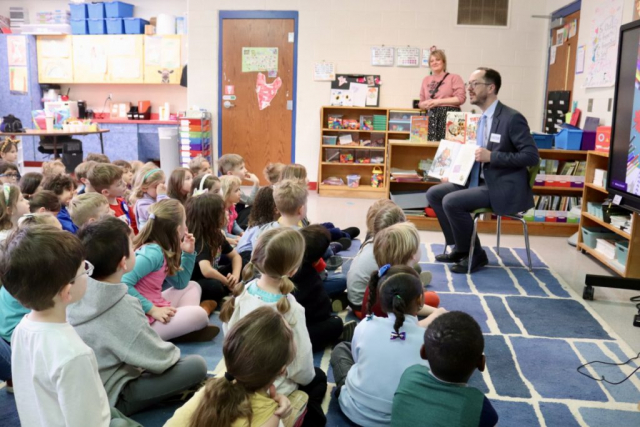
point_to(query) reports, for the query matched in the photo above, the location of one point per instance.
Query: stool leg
(499, 224)
(526, 242)
(444, 252)
(474, 235)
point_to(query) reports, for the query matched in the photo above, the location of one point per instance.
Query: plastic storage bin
(114, 26)
(590, 234)
(622, 251)
(118, 9)
(134, 25)
(353, 181)
(79, 26)
(329, 140)
(97, 26)
(95, 10)
(569, 139)
(78, 11)
(588, 140)
(543, 140)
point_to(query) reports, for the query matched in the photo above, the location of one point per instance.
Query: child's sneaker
(345, 242)
(348, 330)
(334, 263)
(336, 247)
(9, 386)
(353, 232)
(339, 303)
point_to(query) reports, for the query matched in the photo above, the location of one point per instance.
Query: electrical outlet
(110, 96)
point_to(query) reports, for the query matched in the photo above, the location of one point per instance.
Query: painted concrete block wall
(343, 31)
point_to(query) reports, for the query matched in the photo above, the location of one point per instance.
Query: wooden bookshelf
(595, 193)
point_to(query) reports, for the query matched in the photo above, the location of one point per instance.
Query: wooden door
(259, 135)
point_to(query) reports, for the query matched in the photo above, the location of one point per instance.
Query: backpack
(11, 124)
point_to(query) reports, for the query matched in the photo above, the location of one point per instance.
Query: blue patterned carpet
(537, 332)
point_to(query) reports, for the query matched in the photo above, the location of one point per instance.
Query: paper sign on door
(266, 91)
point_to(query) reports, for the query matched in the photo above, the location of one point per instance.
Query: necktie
(474, 177)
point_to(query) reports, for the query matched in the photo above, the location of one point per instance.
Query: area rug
(537, 333)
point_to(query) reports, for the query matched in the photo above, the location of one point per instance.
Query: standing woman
(440, 93)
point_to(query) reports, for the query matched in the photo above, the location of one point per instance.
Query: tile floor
(611, 304)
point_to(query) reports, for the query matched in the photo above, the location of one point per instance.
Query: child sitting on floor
(62, 186)
(12, 207)
(55, 373)
(231, 192)
(453, 346)
(148, 188)
(397, 245)
(256, 350)
(205, 219)
(53, 167)
(263, 212)
(9, 150)
(81, 172)
(368, 370)
(272, 172)
(233, 164)
(127, 172)
(9, 173)
(165, 251)
(45, 201)
(31, 184)
(106, 179)
(205, 183)
(179, 186)
(89, 207)
(132, 358)
(277, 256)
(199, 165)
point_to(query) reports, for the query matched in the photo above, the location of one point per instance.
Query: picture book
(472, 128)
(419, 129)
(456, 127)
(453, 161)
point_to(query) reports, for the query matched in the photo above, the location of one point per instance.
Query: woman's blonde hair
(9, 195)
(397, 244)
(294, 171)
(148, 175)
(165, 217)
(228, 183)
(439, 53)
(278, 252)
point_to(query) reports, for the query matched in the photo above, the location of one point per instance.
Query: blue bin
(134, 25)
(95, 10)
(115, 26)
(622, 251)
(97, 26)
(569, 139)
(118, 9)
(79, 26)
(543, 140)
(78, 11)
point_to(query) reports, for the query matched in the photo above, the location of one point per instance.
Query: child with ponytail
(12, 207)
(148, 188)
(277, 256)
(165, 251)
(368, 370)
(256, 350)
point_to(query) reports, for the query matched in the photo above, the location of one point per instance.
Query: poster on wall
(259, 59)
(18, 80)
(17, 51)
(636, 10)
(408, 57)
(602, 52)
(382, 56)
(364, 89)
(324, 71)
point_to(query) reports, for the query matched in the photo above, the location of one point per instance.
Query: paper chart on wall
(152, 51)
(324, 71)
(259, 59)
(603, 47)
(382, 56)
(426, 54)
(552, 55)
(122, 46)
(124, 68)
(170, 53)
(18, 80)
(408, 57)
(17, 50)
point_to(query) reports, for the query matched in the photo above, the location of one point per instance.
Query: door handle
(228, 104)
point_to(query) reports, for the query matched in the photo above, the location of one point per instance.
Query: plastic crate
(569, 139)
(622, 251)
(79, 26)
(78, 11)
(590, 234)
(115, 26)
(588, 140)
(118, 9)
(95, 10)
(96, 26)
(543, 140)
(134, 25)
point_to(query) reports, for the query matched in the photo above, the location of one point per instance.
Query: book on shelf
(472, 128)
(453, 161)
(455, 128)
(419, 129)
(556, 203)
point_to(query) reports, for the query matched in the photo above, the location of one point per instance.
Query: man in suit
(499, 179)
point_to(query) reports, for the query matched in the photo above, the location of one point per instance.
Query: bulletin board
(55, 59)
(372, 81)
(162, 59)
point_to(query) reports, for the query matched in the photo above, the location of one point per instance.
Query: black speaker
(72, 154)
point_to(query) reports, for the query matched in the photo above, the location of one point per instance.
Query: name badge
(495, 137)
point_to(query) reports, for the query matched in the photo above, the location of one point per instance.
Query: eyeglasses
(9, 175)
(88, 270)
(473, 85)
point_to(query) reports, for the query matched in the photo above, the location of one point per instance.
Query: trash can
(169, 149)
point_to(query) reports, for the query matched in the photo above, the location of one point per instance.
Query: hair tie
(7, 193)
(399, 297)
(383, 270)
(152, 216)
(229, 377)
(25, 217)
(148, 174)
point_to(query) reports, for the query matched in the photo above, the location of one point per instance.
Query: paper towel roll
(166, 24)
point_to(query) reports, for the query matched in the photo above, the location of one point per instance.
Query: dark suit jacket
(506, 175)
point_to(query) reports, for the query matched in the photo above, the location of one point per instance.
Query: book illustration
(472, 128)
(453, 161)
(419, 129)
(456, 127)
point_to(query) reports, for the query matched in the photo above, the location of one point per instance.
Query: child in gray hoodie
(137, 368)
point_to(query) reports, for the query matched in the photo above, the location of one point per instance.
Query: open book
(454, 161)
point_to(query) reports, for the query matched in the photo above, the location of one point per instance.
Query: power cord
(603, 379)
